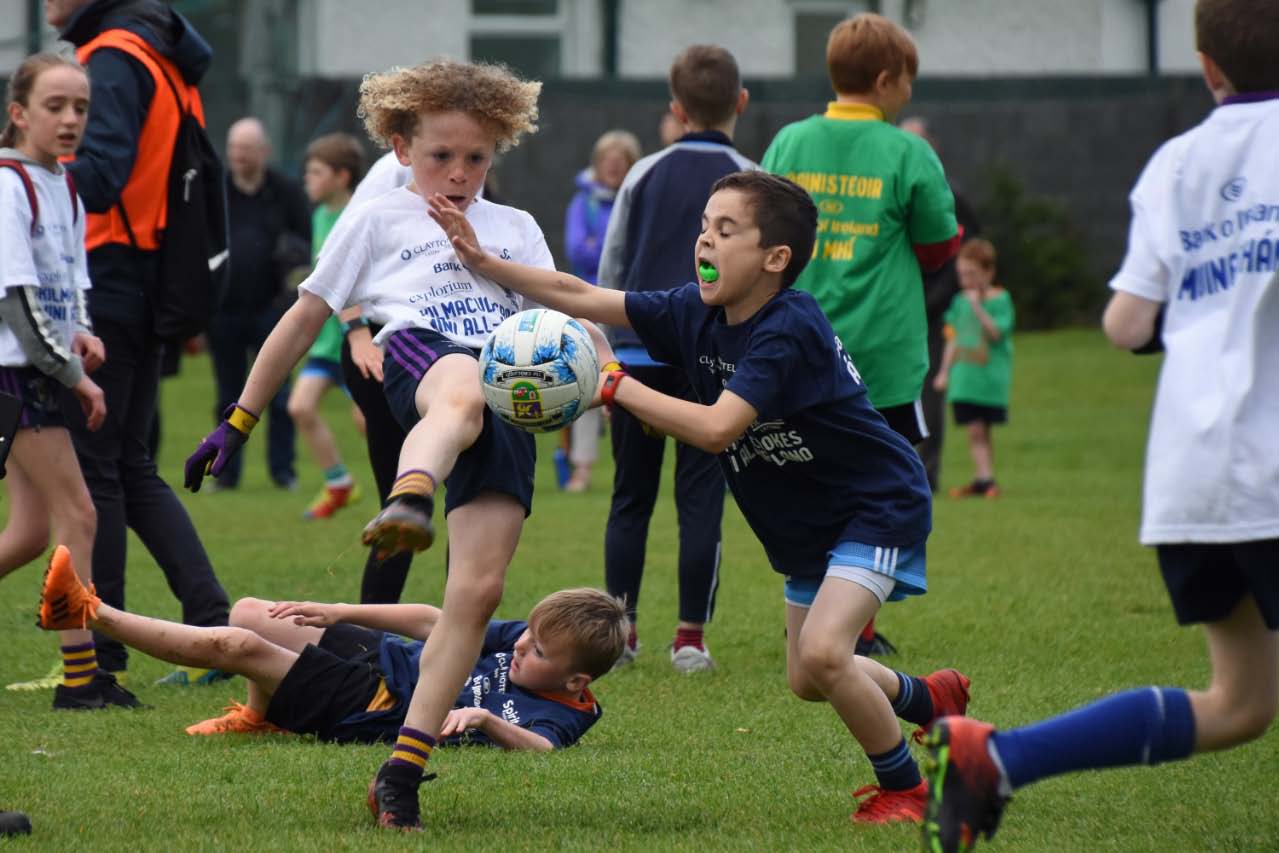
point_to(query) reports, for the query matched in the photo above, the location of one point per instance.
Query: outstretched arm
(283, 348)
(711, 428)
(551, 288)
(410, 620)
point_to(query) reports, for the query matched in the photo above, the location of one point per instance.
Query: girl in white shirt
(46, 342)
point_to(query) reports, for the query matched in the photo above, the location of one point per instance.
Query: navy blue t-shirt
(819, 465)
(489, 687)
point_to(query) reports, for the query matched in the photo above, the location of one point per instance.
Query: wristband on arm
(612, 379)
(360, 322)
(241, 418)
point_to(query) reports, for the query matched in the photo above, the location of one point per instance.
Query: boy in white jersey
(1202, 255)
(445, 120)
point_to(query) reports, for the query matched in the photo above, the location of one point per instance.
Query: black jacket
(121, 90)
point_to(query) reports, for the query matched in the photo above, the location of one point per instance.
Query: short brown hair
(979, 251)
(705, 81)
(393, 101)
(338, 151)
(24, 80)
(784, 214)
(1242, 37)
(593, 621)
(864, 46)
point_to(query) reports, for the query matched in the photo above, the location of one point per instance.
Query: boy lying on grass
(342, 673)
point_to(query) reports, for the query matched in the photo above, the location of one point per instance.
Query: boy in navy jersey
(343, 673)
(839, 500)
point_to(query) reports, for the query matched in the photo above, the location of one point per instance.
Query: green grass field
(1044, 598)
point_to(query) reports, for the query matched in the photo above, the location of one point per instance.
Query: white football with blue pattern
(539, 370)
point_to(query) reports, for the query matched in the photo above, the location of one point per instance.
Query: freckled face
(450, 153)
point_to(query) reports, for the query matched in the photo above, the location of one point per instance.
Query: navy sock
(913, 703)
(896, 769)
(1145, 726)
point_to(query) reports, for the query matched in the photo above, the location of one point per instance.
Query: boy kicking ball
(341, 673)
(839, 500)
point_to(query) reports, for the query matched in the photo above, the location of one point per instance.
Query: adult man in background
(270, 235)
(121, 171)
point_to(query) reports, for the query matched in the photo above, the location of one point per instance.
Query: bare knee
(1224, 719)
(822, 663)
(802, 687)
(248, 612)
(302, 413)
(477, 597)
(231, 645)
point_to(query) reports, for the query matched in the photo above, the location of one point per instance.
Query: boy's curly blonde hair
(392, 101)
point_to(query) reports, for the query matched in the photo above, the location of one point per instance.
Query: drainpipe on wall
(35, 26)
(611, 9)
(1152, 37)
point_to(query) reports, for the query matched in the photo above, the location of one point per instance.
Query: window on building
(535, 57)
(813, 22)
(514, 7)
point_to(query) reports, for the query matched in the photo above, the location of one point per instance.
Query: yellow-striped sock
(412, 749)
(79, 665)
(415, 483)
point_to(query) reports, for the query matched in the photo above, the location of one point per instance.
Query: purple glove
(219, 446)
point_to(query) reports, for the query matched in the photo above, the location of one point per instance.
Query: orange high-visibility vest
(145, 198)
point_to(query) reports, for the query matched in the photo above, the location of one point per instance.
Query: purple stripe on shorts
(411, 342)
(403, 360)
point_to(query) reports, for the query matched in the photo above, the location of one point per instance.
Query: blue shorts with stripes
(906, 566)
(501, 459)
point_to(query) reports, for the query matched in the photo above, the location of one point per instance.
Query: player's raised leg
(451, 409)
(66, 603)
(482, 538)
(976, 768)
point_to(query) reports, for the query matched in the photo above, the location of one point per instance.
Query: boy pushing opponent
(839, 500)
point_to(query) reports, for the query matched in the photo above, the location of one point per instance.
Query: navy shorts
(329, 682)
(501, 459)
(1206, 581)
(907, 420)
(39, 395)
(967, 413)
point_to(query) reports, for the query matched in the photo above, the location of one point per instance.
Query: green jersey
(328, 344)
(982, 369)
(879, 191)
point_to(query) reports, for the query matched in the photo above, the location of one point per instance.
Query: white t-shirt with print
(393, 260)
(1204, 241)
(53, 259)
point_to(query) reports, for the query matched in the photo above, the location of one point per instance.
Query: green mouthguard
(707, 272)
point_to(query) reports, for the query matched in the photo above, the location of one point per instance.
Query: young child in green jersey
(977, 366)
(333, 166)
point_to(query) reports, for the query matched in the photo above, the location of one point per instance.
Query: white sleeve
(17, 255)
(343, 264)
(384, 175)
(1144, 271)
